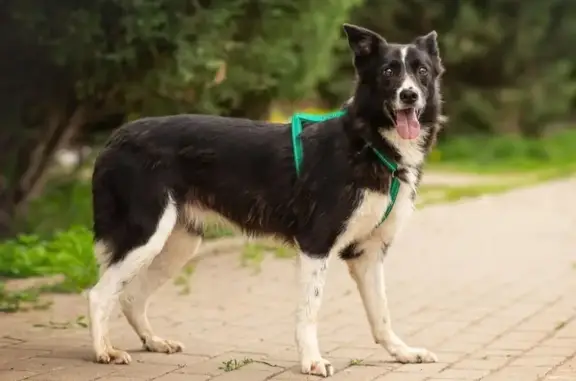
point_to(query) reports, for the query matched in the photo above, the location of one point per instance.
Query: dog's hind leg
(179, 249)
(367, 270)
(104, 295)
(313, 273)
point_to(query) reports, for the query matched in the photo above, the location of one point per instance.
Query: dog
(158, 180)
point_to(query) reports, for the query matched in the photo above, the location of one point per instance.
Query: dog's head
(398, 84)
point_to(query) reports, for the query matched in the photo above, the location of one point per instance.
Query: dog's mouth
(407, 124)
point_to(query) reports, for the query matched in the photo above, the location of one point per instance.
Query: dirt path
(488, 284)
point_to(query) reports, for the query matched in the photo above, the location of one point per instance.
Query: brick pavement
(489, 285)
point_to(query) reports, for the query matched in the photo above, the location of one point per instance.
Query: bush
(67, 253)
(65, 201)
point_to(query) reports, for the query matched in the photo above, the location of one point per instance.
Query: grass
(233, 364)
(81, 321)
(504, 154)
(13, 301)
(183, 280)
(254, 252)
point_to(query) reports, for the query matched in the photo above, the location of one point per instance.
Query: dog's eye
(422, 70)
(388, 72)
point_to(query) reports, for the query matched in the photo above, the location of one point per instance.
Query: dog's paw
(410, 355)
(157, 344)
(113, 356)
(318, 367)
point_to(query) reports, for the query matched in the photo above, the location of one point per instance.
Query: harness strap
(297, 120)
(296, 123)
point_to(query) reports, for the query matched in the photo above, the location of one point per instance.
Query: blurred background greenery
(74, 70)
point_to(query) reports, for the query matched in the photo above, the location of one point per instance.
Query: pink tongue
(407, 124)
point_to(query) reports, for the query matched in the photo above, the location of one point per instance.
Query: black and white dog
(158, 179)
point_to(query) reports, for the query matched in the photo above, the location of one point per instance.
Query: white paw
(318, 367)
(410, 355)
(157, 344)
(113, 356)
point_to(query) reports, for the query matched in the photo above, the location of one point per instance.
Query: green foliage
(510, 69)
(66, 201)
(149, 56)
(83, 65)
(508, 153)
(12, 301)
(68, 253)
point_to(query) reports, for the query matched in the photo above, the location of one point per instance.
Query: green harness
(297, 120)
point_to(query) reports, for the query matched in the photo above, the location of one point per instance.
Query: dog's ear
(363, 42)
(428, 43)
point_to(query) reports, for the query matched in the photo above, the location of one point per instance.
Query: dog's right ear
(362, 41)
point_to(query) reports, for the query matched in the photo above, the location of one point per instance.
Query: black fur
(244, 170)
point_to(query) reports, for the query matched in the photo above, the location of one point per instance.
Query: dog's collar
(296, 123)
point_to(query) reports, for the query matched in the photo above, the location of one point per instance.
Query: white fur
(368, 272)
(408, 83)
(312, 279)
(178, 250)
(313, 275)
(103, 296)
(410, 150)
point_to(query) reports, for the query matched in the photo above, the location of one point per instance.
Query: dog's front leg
(368, 272)
(312, 278)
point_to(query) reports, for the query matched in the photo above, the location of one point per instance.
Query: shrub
(67, 253)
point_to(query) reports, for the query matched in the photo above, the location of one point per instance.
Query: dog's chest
(365, 222)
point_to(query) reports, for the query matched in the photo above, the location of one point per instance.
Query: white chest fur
(362, 226)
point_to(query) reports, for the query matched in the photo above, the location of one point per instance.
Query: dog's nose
(408, 96)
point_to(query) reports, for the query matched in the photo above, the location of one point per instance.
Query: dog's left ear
(362, 41)
(428, 43)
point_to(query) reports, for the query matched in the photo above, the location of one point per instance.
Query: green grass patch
(234, 364)
(254, 252)
(65, 202)
(504, 154)
(12, 301)
(434, 194)
(68, 253)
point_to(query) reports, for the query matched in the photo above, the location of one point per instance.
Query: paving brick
(13, 354)
(244, 374)
(139, 370)
(518, 373)
(402, 377)
(495, 307)
(181, 377)
(74, 374)
(294, 375)
(15, 375)
(537, 361)
(462, 374)
(429, 369)
(487, 364)
(353, 353)
(359, 373)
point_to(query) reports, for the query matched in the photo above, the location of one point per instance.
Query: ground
(488, 284)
